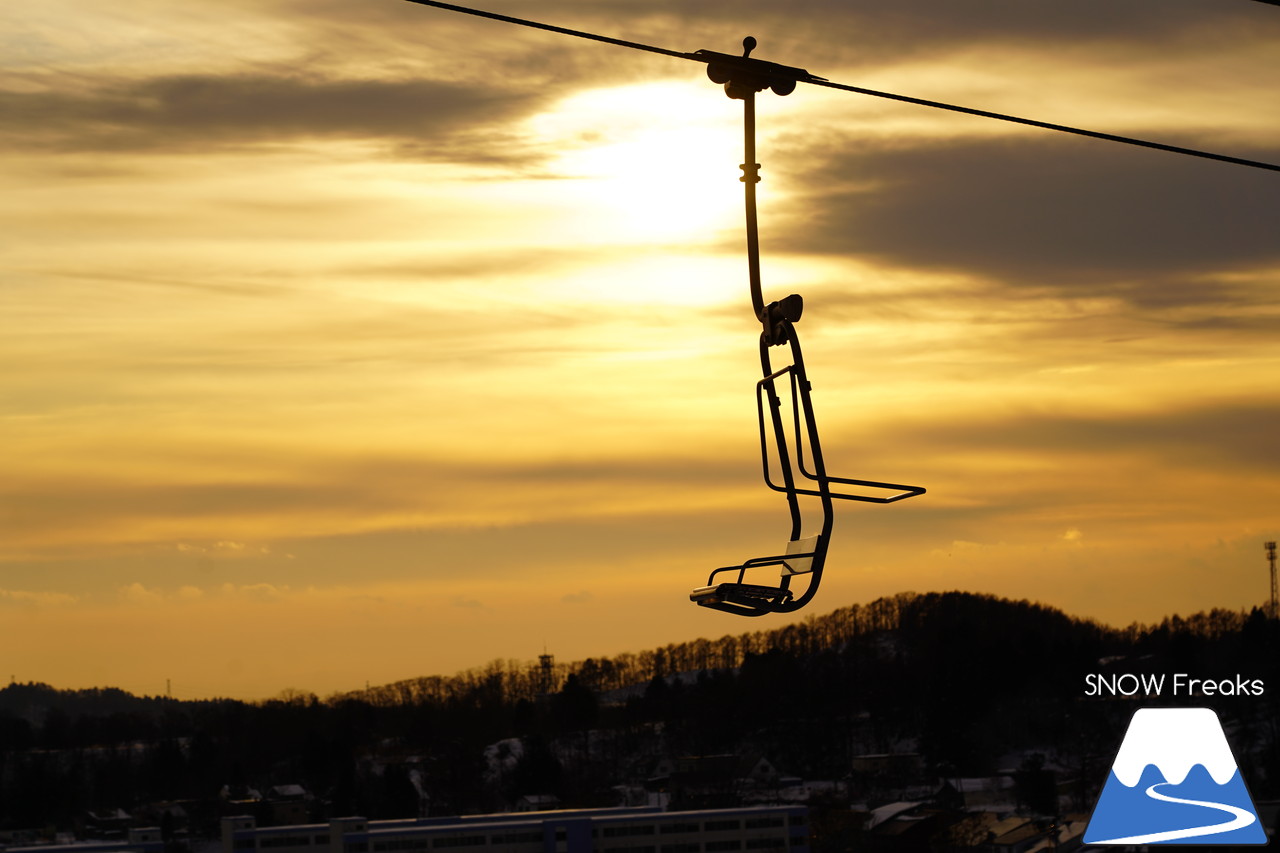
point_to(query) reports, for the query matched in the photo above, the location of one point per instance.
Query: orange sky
(352, 342)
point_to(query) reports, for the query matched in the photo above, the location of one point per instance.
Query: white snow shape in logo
(1174, 740)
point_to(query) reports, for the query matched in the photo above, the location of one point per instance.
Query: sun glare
(647, 163)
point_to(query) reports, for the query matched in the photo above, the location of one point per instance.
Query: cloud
(888, 29)
(813, 32)
(35, 598)
(223, 549)
(1076, 218)
(436, 119)
(1165, 473)
(136, 593)
(256, 591)
(1227, 439)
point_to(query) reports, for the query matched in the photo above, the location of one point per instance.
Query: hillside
(964, 682)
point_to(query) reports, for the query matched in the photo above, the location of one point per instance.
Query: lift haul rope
(708, 56)
(788, 432)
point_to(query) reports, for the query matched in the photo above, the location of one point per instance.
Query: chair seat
(749, 594)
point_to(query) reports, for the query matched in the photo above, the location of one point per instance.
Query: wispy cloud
(35, 598)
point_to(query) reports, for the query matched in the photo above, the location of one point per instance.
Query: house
(1018, 835)
(288, 804)
(908, 827)
(106, 824)
(537, 803)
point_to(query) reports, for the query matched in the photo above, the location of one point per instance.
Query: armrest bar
(906, 491)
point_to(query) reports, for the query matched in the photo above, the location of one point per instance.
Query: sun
(650, 163)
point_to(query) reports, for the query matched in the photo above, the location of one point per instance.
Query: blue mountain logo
(1175, 781)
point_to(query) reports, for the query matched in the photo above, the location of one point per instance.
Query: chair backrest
(803, 564)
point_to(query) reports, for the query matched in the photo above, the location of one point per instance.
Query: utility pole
(546, 672)
(1274, 611)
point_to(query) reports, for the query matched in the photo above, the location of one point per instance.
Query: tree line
(961, 679)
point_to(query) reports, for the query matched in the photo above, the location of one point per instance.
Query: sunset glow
(393, 341)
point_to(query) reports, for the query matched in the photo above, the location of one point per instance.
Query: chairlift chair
(802, 555)
(743, 77)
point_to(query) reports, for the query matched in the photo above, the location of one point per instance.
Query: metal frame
(749, 599)
(742, 78)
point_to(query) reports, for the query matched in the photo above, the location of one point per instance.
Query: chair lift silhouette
(802, 554)
(742, 78)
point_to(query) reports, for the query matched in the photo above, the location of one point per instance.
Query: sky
(348, 342)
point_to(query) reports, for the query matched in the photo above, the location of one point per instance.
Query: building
(142, 840)
(761, 829)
